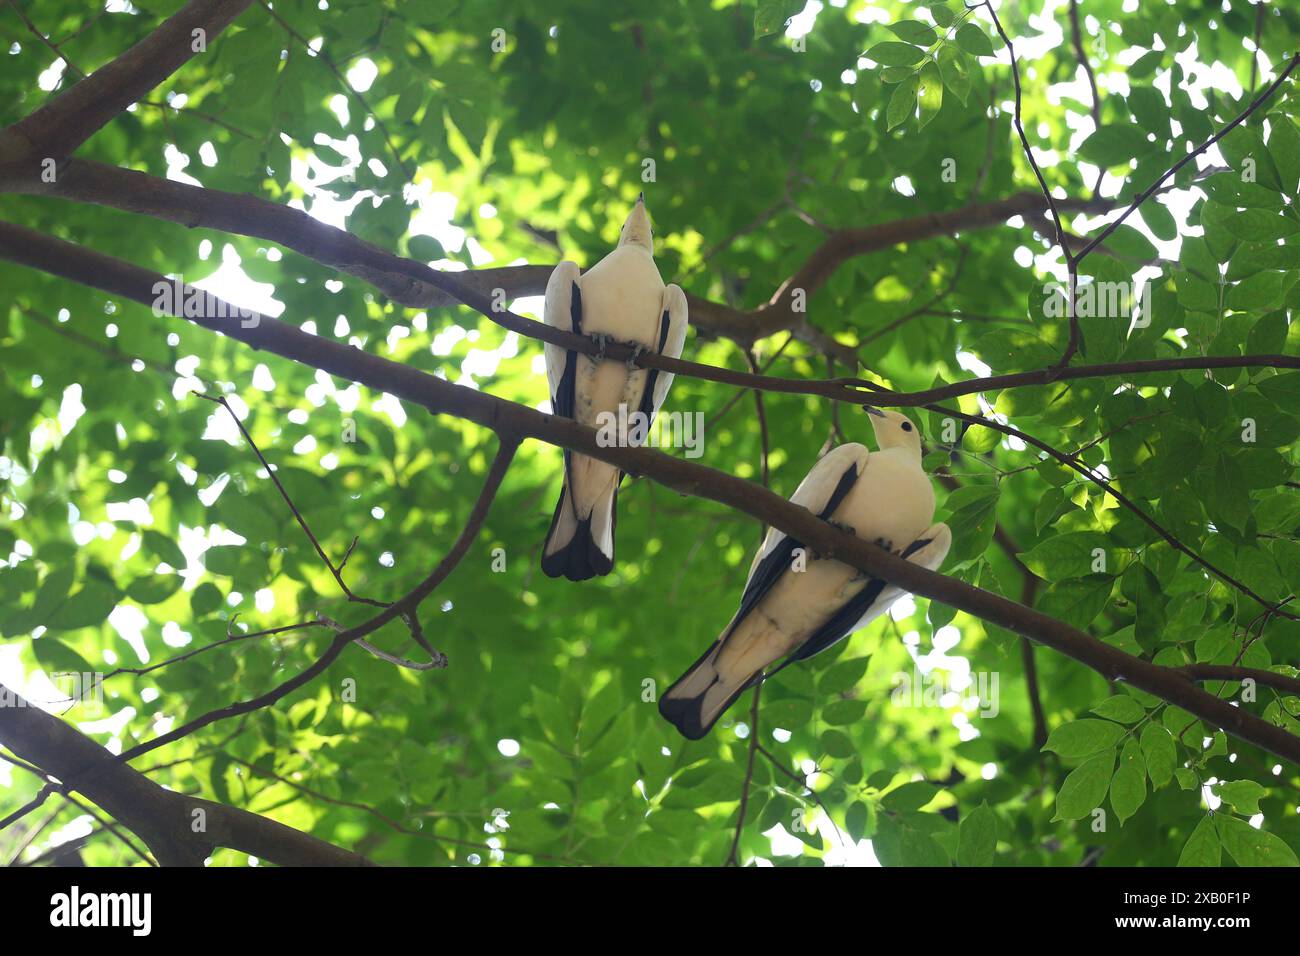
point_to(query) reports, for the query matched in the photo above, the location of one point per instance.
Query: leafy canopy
(140, 524)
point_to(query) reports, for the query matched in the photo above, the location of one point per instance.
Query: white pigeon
(796, 604)
(622, 298)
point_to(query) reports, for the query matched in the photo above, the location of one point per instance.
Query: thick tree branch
(41, 252)
(415, 285)
(164, 819)
(56, 129)
(513, 421)
(1282, 682)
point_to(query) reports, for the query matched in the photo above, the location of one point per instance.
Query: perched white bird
(622, 298)
(796, 604)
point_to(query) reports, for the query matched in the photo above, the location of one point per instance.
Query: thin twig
(343, 80)
(749, 775)
(1070, 263)
(1076, 33)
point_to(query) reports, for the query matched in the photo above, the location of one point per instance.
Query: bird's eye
(907, 426)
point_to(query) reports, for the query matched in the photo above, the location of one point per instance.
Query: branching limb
(512, 422)
(404, 605)
(56, 129)
(179, 830)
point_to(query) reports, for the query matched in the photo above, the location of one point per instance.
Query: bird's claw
(602, 340)
(843, 527)
(636, 353)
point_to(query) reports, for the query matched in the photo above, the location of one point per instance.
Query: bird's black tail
(700, 696)
(571, 550)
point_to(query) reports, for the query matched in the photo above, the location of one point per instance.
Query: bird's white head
(636, 230)
(894, 430)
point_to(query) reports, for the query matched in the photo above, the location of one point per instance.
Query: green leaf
(1284, 148)
(837, 743)
(1259, 293)
(1256, 225)
(1230, 190)
(1079, 738)
(164, 549)
(1122, 708)
(554, 719)
(1068, 555)
(56, 657)
(977, 837)
(53, 592)
(910, 796)
(915, 32)
(973, 40)
(1243, 795)
(1250, 847)
(154, 589)
(89, 607)
(1148, 106)
(842, 675)
(1159, 219)
(973, 520)
(893, 53)
(771, 16)
(1114, 146)
(1077, 601)
(205, 599)
(425, 249)
(899, 844)
(1245, 152)
(840, 713)
(223, 559)
(1202, 847)
(217, 777)
(1128, 791)
(1085, 787)
(929, 93)
(1159, 752)
(857, 820)
(942, 15)
(955, 70)
(902, 103)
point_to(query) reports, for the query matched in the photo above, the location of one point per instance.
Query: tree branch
(1152, 189)
(1282, 682)
(57, 128)
(415, 285)
(404, 605)
(165, 820)
(513, 422)
(1071, 263)
(52, 255)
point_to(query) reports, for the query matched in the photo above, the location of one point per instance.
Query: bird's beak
(872, 410)
(641, 198)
